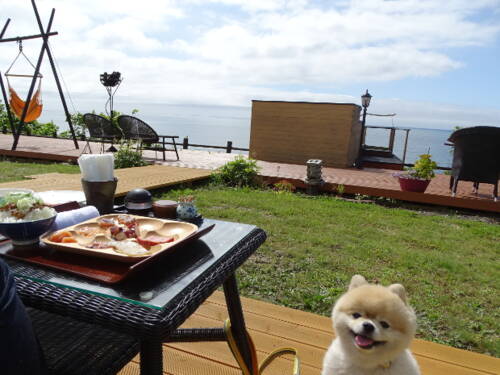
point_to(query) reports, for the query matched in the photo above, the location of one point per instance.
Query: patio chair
(476, 157)
(136, 129)
(71, 347)
(101, 129)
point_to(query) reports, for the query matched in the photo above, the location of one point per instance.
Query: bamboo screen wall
(294, 132)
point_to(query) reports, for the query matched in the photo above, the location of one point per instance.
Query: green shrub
(36, 128)
(239, 172)
(31, 128)
(284, 186)
(423, 168)
(129, 156)
(340, 189)
(78, 126)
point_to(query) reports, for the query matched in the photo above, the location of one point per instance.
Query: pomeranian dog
(374, 326)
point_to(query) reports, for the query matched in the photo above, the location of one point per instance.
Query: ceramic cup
(186, 211)
(100, 194)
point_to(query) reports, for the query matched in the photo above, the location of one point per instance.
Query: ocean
(215, 125)
(420, 141)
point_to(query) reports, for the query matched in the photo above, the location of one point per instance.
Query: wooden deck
(149, 177)
(42, 148)
(372, 182)
(273, 326)
(381, 183)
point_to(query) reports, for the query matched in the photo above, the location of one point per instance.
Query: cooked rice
(36, 214)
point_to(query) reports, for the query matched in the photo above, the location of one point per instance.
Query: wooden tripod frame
(45, 34)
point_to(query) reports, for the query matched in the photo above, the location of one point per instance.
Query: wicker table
(152, 304)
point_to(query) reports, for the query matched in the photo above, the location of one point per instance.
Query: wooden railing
(185, 143)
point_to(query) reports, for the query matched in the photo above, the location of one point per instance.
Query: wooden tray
(100, 269)
(178, 230)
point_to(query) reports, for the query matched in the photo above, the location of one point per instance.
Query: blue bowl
(26, 233)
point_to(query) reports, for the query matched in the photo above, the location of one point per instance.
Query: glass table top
(157, 284)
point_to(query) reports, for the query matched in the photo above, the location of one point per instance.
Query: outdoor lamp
(365, 99)
(365, 102)
(111, 81)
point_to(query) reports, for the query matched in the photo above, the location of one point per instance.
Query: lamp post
(365, 102)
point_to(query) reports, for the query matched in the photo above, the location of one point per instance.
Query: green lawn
(12, 170)
(447, 263)
(315, 244)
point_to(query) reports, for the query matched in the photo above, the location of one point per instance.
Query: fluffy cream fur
(374, 326)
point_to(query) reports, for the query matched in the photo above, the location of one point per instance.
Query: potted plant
(417, 179)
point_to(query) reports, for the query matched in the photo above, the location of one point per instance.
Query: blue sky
(434, 63)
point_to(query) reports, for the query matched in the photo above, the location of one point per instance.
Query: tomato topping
(152, 240)
(58, 236)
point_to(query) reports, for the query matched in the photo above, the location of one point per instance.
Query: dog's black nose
(368, 327)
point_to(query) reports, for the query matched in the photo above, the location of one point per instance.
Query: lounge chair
(101, 129)
(136, 129)
(476, 157)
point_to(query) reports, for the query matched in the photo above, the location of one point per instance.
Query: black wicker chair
(72, 347)
(136, 129)
(476, 157)
(101, 129)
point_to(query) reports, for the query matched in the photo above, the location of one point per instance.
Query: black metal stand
(45, 48)
(111, 82)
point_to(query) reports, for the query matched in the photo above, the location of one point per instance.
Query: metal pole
(4, 28)
(17, 38)
(32, 86)
(406, 145)
(391, 139)
(4, 93)
(7, 107)
(54, 71)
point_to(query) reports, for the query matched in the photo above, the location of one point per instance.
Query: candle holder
(100, 194)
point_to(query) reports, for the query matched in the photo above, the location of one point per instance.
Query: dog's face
(372, 320)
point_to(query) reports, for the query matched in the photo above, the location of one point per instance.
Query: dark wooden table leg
(235, 312)
(151, 358)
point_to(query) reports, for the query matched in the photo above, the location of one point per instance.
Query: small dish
(165, 209)
(56, 197)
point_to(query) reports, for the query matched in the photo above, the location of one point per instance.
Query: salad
(21, 207)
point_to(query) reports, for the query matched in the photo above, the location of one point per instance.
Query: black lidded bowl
(138, 199)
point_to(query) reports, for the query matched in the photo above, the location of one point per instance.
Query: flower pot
(413, 184)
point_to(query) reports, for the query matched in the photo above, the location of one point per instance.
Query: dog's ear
(357, 280)
(399, 290)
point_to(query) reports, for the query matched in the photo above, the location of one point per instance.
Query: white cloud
(231, 51)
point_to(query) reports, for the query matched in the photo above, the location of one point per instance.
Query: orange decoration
(17, 105)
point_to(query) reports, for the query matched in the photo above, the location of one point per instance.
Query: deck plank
(148, 177)
(321, 324)
(273, 326)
